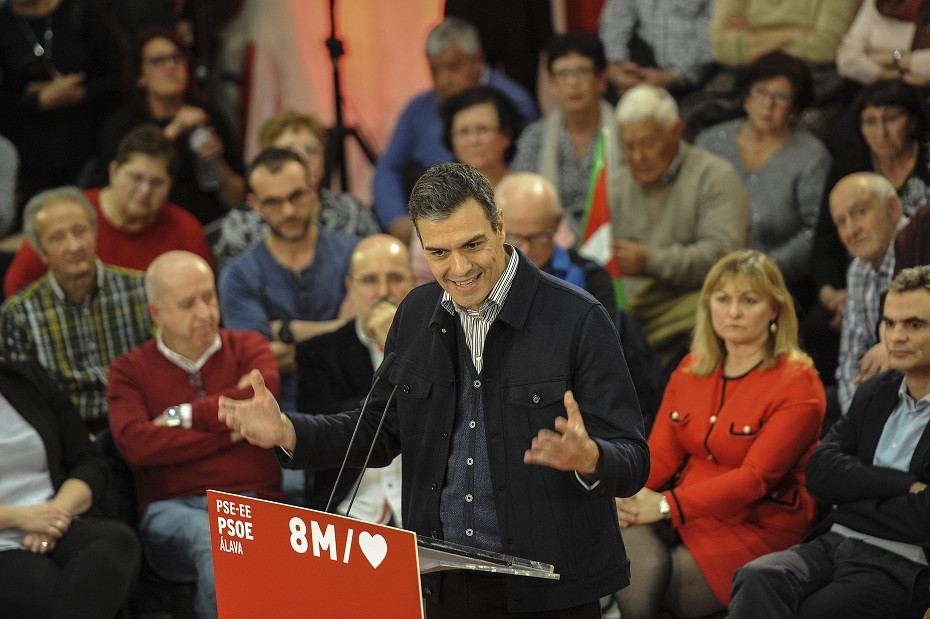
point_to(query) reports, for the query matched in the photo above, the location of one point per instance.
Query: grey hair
(646, 101)
(442, 189)
(453, 30)
(38, 201)
(912, 278)
(879, 186)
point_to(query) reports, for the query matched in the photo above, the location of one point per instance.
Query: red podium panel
(271, 558)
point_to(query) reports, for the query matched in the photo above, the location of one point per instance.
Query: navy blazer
(30, 390)
(334, 373)
(549, 337)
(871, 499)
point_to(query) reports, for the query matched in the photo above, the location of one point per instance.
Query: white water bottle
(206, 170)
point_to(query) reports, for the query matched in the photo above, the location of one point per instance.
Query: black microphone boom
(378, 375)
(401, 376)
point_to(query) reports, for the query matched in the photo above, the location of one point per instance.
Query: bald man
(163, 413)
(531, 204)
(867, 214)
(335, 370)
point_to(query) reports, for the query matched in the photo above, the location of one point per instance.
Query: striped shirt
(476, 324)
(76, 342)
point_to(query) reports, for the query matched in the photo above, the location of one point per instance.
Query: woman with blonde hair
(740, 416)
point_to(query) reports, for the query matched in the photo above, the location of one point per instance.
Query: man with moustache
(869, 556)
(82, 315)
(867, 213)
(335, 369)
(163, 413)
(290, 286)
(514, 414)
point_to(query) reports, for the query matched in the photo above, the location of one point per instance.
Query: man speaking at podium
(515, 415)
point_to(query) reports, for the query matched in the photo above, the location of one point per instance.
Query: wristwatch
(172, 416)
(664, 508)
(284, 333)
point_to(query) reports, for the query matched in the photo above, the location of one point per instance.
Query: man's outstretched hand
(568, 448)
(259, 419)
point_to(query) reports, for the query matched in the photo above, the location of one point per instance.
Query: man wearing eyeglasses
(163, 413)
(335, 369)
(531, 205)
(563, 146)
(289, 287)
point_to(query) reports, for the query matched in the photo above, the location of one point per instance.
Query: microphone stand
(379, 373)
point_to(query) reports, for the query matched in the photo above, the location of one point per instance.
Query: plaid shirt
(676, 30)
(864, 286)
(76, 342)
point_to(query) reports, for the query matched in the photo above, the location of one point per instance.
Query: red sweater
(175, 228)
(746, 441)
(170, 463)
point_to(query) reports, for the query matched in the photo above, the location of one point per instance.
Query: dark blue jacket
(549, 337)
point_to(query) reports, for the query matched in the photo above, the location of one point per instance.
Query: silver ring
(44, 544)
(58, 524)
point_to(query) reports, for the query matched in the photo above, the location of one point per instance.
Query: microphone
(378, 375)
(401, 375)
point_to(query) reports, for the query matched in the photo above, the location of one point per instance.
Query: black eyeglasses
(160, 61)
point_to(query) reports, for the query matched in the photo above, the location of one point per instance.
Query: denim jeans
(176, 542)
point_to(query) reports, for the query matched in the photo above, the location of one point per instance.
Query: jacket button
(434, 533)
(434, 487)
(675, 415)
(713, 418)
(536, 399)
(406, 388)
(710, 457)
(443, 436)
(746, 429)
(427, 592)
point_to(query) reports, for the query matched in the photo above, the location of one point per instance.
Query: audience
(718, 498)
(782, 166)
(292, 267)
(340, 211)
(867, 215)
(60, 67)
(869, 555)
(657, 42)
(135, 221)
(334, 372)
(675, 210)
(82, 315)
(57, 556)
(456, 63)
(563, 145)
(163, 411)
(164, 93)
(887, 40)
(290, 286)
(891, 125)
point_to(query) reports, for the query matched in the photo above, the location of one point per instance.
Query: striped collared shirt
(76, 342)
(476, 324)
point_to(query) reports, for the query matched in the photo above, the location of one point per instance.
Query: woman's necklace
(38, 49)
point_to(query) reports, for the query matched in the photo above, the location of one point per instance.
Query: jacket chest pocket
(540, 401)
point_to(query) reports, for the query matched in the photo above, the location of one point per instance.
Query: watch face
(284, 333)
(172, 417)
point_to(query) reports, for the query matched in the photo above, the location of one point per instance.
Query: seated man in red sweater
(163, 413)
(135, 221)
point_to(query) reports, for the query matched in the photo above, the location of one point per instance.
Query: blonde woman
(740, 416)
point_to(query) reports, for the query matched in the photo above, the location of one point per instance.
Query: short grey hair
(879, 186)
(38, 201)
(646, 101)
(453, 30)
(442, 189)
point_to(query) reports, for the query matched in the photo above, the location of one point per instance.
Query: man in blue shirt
(456, 63)
(290, 287)
(873, 467)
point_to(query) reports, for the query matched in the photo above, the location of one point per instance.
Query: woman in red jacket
(740, 417)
